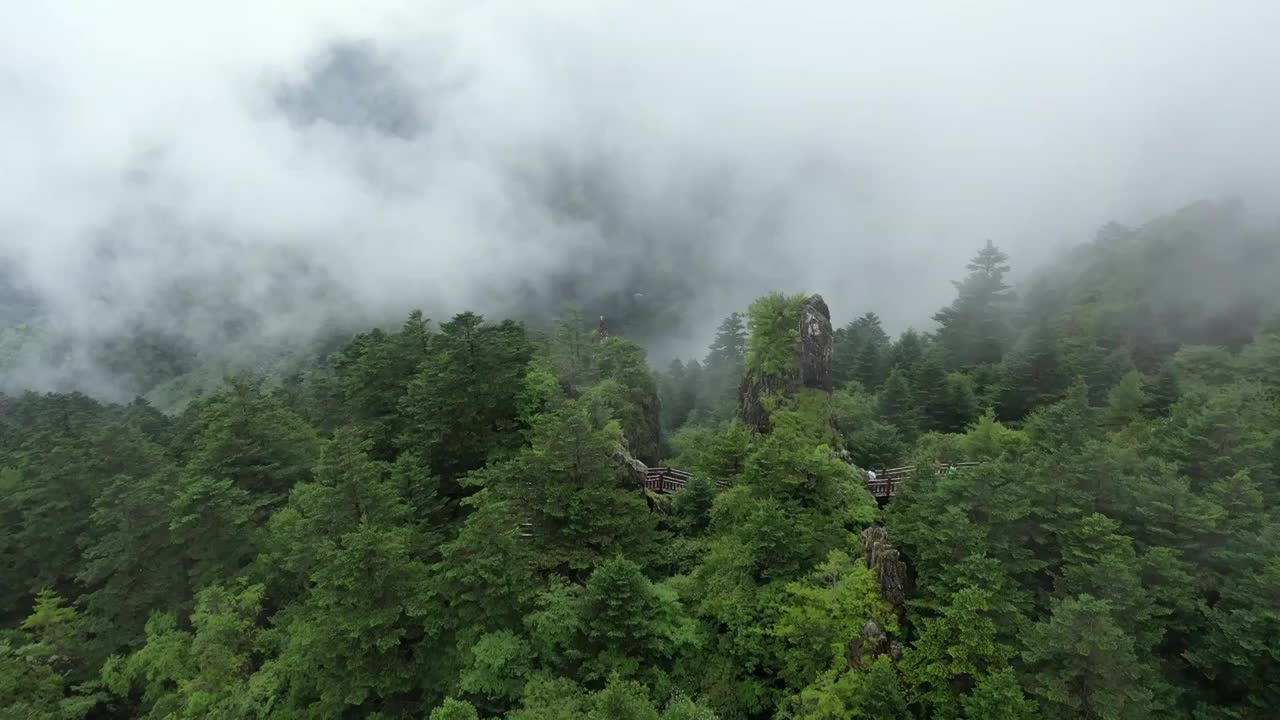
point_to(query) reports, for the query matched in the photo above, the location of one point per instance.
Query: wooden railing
(666, 481)
(886, 483)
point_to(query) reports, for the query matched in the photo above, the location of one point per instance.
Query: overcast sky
(861, 150)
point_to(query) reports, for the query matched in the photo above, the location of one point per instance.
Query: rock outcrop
(865, 648)
(816, 340)
(811, 367)
(752, 395)
(635, 470)
(882, 558)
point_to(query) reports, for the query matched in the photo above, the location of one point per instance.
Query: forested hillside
(448, 520)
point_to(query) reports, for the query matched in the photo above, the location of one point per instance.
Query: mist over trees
(769, 362)
(446, 519)
(233, 201)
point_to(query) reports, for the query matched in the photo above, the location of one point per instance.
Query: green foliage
(200, 673)
(998, 696)
(499, 665)
(872, 694)
(824, 616)
(572, 490)
(131, 557)
(726, 360)
(988, 439)
(860, 352)
(1082, 664)
(252, 441)
(635, 395)
(452, 524)
(897, 404)
(461, 407)
(775, 334)
(956, 652)
(692, 505)
(958, 405)
(718, 452)
(455, 710)
(1033, 372)
(1126, 402)
(373, 372)
(975, 328)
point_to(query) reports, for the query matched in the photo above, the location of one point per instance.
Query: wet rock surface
(816, 341)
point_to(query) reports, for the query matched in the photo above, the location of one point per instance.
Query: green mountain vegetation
(447, 520)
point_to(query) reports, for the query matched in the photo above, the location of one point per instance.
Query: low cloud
(312, 164)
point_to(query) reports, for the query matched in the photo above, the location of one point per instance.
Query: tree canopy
(451, 522)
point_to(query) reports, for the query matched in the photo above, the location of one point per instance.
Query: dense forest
(448, 520)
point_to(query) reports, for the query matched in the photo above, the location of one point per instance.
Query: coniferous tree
(1162, 391)
(461, 407)
(372, 374)
(692, 505)
(930, 387)
(132, 563)
(907, 353)
(453, 524)
(1033, 373)
(959, 402)
(725, 364)
(898, 404)
(573, 352)
(974, 329)
(1126, 402)
(1084, 665)
(858, 352)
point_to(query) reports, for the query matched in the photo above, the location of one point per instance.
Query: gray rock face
(751, 398)
(864, 649)
(816, 340)
(882, 559)
(635, 469)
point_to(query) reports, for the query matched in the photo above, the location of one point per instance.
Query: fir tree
(974, 329)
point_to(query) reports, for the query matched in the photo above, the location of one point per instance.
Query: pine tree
(462, 407)
(692, 505)
(371, 375)
(1033, 375)
(998, 696)
(930, 387)
(898, 404)
(455, 710)
(907, 353)
(1082, 664)
(573, 350)
(628, 624)
(251, 440)
(132, 563)
(671, 389)
(960, 402)
(868, 367)
(578, 501)
(956, 651)
(724, 365)
(974, 329)
(1126, 402)
(858, 352)
(1162, 391)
